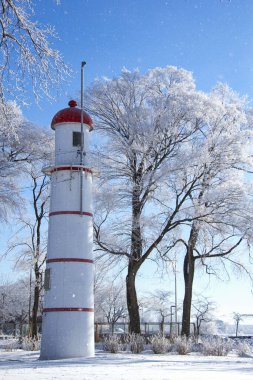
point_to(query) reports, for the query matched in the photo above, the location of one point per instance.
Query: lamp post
(171, 314)
(174, 266)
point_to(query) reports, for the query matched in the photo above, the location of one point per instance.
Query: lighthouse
(68, 313)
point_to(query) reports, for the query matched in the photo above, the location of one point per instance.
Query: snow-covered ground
(23, 365)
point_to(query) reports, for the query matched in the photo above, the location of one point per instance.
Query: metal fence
(147, 329)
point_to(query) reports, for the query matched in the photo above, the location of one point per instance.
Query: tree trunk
(237, 327)
(198, 323)
(34, 326)
(135, 260)
(189, 267)
(132, 302)
(162, 325)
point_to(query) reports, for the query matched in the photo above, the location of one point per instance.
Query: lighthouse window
(47, 280)
(76, 138)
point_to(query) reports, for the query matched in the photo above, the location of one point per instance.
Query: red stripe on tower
(53, 213)
(71, 168)
(60, 309)
(69, 260)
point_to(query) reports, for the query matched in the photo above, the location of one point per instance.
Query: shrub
(244, 349)
(112, 344)
(183, 345)
(125, 342)
(30, 344)
(136, 342)
(159, 344)
(216, 346)
(11, 345)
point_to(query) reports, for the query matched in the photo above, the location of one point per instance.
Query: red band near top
(70, 213)
(72, 168)
(69, 260)
(56, 309)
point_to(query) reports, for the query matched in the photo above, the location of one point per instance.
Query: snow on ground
(23, 365)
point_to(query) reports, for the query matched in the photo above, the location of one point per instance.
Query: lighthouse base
(67, 335)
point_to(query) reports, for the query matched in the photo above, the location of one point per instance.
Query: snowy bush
(112, 344)
(196, 347)
(183, 345)
(11, 345)
(159, 344)
(216, 346)
(244, 349)
(136, 343)
(125, 340)
(30, 344)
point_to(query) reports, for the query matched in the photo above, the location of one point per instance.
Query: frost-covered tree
(30, 242)
(20, 143)
(110, 302)
(170, 166)
(202, 312)
(219, 194)
(24, 149)
(159, 303)
(12, 154)
(14, 303)
(237, 317)
(27, 59)
(144, 120)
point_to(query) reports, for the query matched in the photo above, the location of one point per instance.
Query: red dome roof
(71, 115)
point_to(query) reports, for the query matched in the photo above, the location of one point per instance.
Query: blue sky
(211, 38)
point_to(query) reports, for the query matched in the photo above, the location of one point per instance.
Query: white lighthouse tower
(68, 314)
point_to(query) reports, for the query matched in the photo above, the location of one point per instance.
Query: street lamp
(171, 314)
(174, 266)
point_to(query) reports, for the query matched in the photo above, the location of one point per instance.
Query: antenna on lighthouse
(83, 63)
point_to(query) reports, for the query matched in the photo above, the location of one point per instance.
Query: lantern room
(67, 125)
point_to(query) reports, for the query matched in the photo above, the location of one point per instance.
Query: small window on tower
(76, 138)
